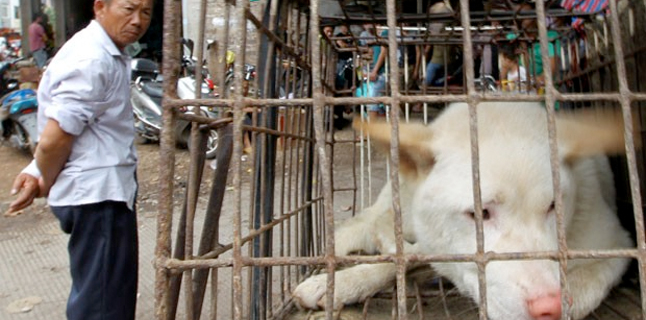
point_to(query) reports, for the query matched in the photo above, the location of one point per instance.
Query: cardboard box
(29, 74)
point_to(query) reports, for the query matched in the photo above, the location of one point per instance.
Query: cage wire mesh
(263, 220)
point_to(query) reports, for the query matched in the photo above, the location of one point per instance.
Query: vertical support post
(472, 100)
(625, 101)
(264, 176)
(239, 44)
(550, 92)
(167, 165)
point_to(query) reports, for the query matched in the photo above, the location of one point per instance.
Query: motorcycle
(146, 95)
(249, 75)
(186, 90)
(18, 119)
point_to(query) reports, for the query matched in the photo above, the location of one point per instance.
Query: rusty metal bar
(408, 259)
(318, 105)
(263, 103)
(476, 16)
(240, 40)
(210, 230)
(472, 101)
(167, 152)
(196, 169)
(554, 158)
(630, 149)
(392, 12)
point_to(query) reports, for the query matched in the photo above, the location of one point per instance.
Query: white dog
(518, 208)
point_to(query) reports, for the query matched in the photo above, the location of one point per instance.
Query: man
(37, 39)
(85, 161)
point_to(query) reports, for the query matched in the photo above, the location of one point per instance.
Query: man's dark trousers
(103, 260)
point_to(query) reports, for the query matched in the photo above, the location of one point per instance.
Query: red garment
(36, 36)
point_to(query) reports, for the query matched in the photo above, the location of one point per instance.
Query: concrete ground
(34, 265)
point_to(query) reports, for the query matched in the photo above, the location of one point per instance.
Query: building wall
(5, 13)
(215, 21)
(15, 15)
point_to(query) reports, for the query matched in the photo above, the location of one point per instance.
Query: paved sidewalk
(35, 266)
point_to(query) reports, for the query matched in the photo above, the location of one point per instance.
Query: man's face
(125, 21)
(328, 31)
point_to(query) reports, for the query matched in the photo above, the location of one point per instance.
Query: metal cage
(268, 221)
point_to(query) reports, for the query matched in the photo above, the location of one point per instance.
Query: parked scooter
(146, 96)
(186, 90)
(7, 84)
(18, 119)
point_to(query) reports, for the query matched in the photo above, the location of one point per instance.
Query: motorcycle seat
(153, 89)
(17, 95)
(22, 106)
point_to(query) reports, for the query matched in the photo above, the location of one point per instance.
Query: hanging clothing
(587, 6)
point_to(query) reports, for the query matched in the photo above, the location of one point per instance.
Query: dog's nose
(546, 307)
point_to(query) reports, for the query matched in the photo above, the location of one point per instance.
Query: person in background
(534, 64)
(368, 35)
(248, 120)
(344, 73)
(441, 56)
(37, 39)
(85, 162)
(343, 76)
(49, 32)
(377, 76)
(515, 78)
(328, 31)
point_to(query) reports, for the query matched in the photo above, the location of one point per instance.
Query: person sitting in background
(535, 63)
(514, 76)
(343, 75)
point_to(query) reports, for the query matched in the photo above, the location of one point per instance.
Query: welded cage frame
(318, 59)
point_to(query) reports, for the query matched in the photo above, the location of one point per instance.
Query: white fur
(516, 184)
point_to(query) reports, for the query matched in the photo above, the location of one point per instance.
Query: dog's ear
(593, 131)
(415, 156)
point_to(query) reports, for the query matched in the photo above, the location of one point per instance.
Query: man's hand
(27, 187)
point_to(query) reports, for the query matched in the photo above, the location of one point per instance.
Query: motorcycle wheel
(211, 144)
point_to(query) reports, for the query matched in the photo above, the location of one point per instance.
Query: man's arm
(378, 64)
(53, 150)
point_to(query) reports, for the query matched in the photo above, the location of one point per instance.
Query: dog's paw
(310, 294)
(351, 286)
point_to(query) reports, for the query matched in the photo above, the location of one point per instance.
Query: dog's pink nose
(547, 307)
